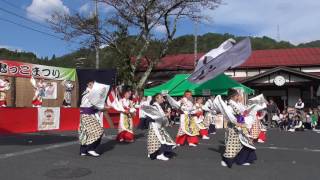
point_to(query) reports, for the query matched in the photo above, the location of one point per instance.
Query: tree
(131, 30)
(53, 57)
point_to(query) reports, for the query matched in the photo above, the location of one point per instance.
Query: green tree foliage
(109, 58)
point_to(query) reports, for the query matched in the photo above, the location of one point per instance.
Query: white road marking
(112, 137)
(54, 146)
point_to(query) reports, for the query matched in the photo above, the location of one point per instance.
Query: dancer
(90, 130)
(68, 86)
(4, 86)
(258, 129)
(127, 112)
(143, 123)
(160, 144)
(239, 148)
(210, 115)
(188, 130)
(39, 91)
(203, 131)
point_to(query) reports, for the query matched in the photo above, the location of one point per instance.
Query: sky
(289, 20)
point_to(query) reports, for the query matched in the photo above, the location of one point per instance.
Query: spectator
(314, 118)
(297, 125)
(272, 110)
(284, 120)
(299, 106)
(307, 123)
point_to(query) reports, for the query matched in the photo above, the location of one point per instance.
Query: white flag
(98, 95)
(220, 59)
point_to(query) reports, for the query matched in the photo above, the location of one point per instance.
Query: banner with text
(21, 69)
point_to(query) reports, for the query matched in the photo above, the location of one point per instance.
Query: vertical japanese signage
(20, 69)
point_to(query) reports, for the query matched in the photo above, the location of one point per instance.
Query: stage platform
(25, 120)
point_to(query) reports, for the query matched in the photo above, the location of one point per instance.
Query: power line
(27, 27)
(17, 15)
(30, 28)
(11, 4)
(20, 8)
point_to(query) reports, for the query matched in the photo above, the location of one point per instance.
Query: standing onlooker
(299, 107)
(272, 110)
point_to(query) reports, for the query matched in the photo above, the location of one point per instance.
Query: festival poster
(26, 70)
(48, 118)
(51, 90)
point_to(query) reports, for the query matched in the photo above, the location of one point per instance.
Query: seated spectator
(297, 125)
(283, 124)
(314, 118)
(307, 123)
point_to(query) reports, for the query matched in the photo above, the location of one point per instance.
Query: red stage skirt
(203, 132)
(3, 103)
(36, 102)
(125, 136)
(262, 136)
(190, 139)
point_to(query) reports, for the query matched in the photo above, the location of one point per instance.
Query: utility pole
(195, 41)
(96, 36)
(278, 32)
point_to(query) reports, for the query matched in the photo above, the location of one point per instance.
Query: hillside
(182, 44)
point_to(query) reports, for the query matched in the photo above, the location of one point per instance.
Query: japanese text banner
(21, 69)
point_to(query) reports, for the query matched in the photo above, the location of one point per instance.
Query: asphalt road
(293, 156)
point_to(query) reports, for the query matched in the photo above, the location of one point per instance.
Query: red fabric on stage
(69, 119)
(18, 120)
(190, 139)
(25, 120)
(3, 103)
(115, 116)
(262, 136)
(203, 132)
(36, 102)
(126, 136)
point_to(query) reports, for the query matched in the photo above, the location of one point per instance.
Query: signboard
(48, 118)
(26, 70)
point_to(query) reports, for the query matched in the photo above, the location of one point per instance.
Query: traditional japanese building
(281, 74)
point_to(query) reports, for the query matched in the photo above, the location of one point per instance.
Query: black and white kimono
(238, 148)
(159, 140)
(210, 115)
(90, 129)
(67, 93)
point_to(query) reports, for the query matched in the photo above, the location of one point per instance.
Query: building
(281, 74)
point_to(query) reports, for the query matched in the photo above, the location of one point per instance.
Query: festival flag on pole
(227, 55)
(113, 100)
(111, 97)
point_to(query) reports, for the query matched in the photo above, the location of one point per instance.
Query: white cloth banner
(220, 59)
(48, 118)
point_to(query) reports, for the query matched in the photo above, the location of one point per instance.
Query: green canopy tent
(179, 84)
(167, 86)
